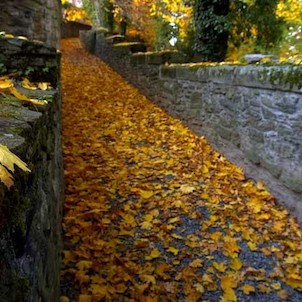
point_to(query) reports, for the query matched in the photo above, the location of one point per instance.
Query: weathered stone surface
(35, 19)
(31, 211)
(27, 58)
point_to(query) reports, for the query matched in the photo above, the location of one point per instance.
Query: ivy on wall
(211, 29)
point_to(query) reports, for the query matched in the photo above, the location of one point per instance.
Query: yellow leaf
(276, 286)
(173, 250)
(255, 205)
(27, 84)
(64, 299)
(236, 264)
(252, 246)
(264, 288)
(221, 267)
(186, 189)
(196, 263)
(148, 279)
(229, 295)
(23, 97)
(148, 217)
(230, 247)
(146, 225)
(264, 216)
(84, 265)
(99, 290)
(261, 185)
(174, 220)
(17, 94)
(9, 159)
(5, 83)
(176, 236)
(43, 86)
(247, 289)
(155, 253)
(294, 281)
(85, 298)
(228, 281)
(6, 177)
(199, 287)
(146, 194)
(216, 236)
(9, 36)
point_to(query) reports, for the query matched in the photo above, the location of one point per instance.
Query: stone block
(167, 72)
(291, 176)
(271, 163)
(196, 100)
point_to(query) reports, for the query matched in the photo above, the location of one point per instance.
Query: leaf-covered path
(153, 213)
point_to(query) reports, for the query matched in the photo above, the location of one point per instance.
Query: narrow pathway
(153, 213)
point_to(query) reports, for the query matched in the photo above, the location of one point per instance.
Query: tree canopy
(212, 30)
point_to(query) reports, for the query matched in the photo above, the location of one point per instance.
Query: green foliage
(163, 33)
(268, 25)
(3, 68)
(211, 29)
(255, 26)
(102, 14)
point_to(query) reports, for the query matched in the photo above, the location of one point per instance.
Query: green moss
(15, 130)
(18, 218)
(22, 286)
(290, 75)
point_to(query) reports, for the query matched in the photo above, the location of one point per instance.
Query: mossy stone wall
(31, 210)
(35, 19)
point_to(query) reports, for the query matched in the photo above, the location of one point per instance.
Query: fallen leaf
(27, 84)
(6, 177)
(186, 189)
(221, 267)
(173, 250)
(235, 264)
(84, 265)
(148, 279)
(155, 253)
(247, 289)
(199, 287)
(85, 298)
(146, 194)
(196, 263)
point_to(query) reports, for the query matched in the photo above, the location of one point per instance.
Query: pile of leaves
(153, 213)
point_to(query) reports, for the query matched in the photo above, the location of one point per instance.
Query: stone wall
(252, 114)
(35, 19)
(31, 210)
(72, 29)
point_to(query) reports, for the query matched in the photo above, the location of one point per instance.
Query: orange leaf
(196, 263)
